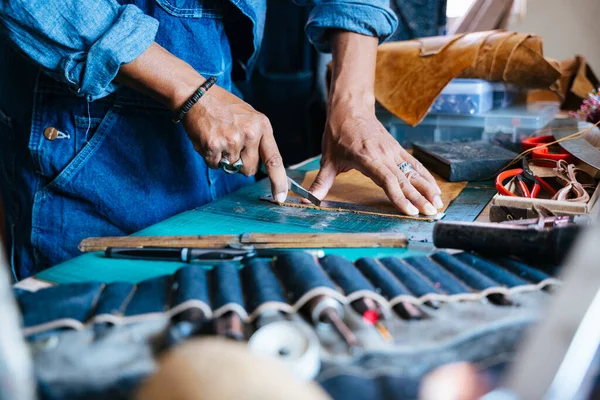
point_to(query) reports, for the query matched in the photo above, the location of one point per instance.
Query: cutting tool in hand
(300, 191)
(523, 175)
(334, 205)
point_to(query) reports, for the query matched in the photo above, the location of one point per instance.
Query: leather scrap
(576, 183)
(354, 187)
(576, 82)
(411, 74)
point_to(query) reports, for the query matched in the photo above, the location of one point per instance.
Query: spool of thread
(289, 342)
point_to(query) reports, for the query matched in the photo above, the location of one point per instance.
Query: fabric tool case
(285, 284)
(466, 325)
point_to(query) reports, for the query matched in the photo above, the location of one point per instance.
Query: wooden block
(471, 161)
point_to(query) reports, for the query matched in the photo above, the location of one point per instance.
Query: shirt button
(50, 133)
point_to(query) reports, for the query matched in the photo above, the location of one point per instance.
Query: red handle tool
(544, 152)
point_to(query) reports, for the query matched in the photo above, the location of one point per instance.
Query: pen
(177, 254)
(186, 254)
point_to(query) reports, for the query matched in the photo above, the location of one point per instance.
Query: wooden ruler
(256, 240)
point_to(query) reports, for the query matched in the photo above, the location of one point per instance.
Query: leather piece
(575, 84)
(577, 81)
(354, 187)
(411, 74)
(576, 183)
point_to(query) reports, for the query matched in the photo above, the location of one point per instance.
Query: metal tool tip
(300, 191)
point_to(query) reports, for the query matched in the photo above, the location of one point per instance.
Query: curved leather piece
(577, 81)
(411, 74)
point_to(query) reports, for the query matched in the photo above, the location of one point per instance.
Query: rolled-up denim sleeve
(367, 17)
(80, 42)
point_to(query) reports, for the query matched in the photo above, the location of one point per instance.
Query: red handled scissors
(557, 153)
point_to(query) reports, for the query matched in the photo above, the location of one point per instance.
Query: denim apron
(115, 165)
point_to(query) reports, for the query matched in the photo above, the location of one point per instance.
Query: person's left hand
(355, 139)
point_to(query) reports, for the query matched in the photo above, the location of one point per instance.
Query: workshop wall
(568, 28)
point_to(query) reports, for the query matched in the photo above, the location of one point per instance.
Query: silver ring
(405, 167)
(231, 168)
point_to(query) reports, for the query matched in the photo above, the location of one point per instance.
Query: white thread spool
(291, 343)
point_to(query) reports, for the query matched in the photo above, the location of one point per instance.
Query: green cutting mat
(242, 212)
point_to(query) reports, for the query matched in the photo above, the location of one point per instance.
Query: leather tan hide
(411, 74)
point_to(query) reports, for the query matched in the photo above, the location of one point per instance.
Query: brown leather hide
(411, 74)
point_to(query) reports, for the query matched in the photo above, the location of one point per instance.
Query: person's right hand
(221, 125)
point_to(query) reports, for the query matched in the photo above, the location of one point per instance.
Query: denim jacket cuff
(130, 36)
(366, 19)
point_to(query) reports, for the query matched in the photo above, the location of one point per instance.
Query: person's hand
(355, 139)
(221, 125)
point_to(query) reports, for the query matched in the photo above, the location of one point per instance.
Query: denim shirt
(81, 156)
(83, 43)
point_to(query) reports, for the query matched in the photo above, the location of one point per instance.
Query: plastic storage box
(464, 97)
(505, 94)
(506, 127)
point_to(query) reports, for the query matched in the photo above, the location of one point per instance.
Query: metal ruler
(246, 204)
(352, 207)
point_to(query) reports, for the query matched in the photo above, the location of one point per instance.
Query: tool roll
(285, 285)
(358, 329)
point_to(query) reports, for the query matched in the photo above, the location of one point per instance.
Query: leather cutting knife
(300, 191)
(338, 205)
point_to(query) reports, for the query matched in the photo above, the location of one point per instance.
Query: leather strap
(577, 183)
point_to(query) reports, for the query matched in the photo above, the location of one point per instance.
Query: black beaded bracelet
(194, 99)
